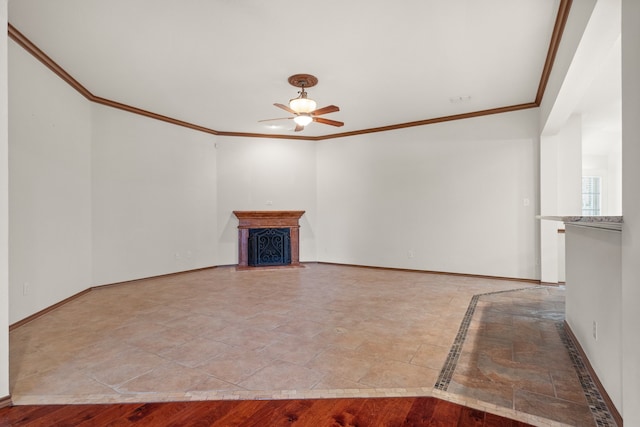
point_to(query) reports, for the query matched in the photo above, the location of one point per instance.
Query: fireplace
(268, 239)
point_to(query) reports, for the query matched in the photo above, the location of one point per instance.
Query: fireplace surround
(281, 232)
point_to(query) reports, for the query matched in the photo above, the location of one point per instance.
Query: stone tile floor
(512, 350)
(319, 331)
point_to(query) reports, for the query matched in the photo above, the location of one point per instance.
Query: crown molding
(556, 36)
(561, 19)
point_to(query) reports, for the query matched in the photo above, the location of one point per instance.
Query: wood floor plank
(351, 412)
(31, 416)
(8, 415)
(421, 412)
(158, 413)
(491, 420)
(110, 415)
(471, 418)
(68, 416)
(388, 411)
(231, 413)
(280, 413)
(338, 412)
(446, 414)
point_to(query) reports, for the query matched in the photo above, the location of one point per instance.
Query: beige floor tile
(125, 366)
(195, 351)
(392, 349)
(282, 376)
(334, 382)
(267, 320)
(168, 377)
(212, 384)
(235, 365)
(330, 329)
(160, 341)
(344, 363)
(104, 351)
(342, 336)
(29, 363)
(134, 328)
(198, 324)
(391, 374)
(247, 338)
(60, 382)
(430, 356)
(301, 328)
(294, 349)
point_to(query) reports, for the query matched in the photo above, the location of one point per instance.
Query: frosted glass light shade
(302, 105)
(303, 119)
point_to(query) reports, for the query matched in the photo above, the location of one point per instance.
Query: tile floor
(319, 331)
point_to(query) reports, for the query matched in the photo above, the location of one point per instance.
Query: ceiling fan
(304, 109)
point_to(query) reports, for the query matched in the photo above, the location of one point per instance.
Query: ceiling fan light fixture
(303, 119)
(303, 109)
(302, 104)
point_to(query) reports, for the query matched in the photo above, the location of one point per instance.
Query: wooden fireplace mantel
(267, 219)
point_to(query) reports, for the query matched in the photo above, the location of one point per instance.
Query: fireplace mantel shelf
(271, 219)
(267, 219)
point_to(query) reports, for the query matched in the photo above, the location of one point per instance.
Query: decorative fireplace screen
(269, 246)
(274, 241)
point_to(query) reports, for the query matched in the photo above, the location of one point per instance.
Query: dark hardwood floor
(378, 412)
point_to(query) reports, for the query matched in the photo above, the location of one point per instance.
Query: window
(591, 195)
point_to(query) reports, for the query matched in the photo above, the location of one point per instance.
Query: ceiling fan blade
(299, 128)
(325, 110)
(285, 108)
(280, 118)
(328, 122)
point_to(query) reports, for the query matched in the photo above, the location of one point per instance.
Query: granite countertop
(607, 222)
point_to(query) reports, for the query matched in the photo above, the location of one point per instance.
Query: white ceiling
(222, 64)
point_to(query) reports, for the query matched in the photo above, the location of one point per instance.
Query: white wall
(560, 190)
(4, 208)
(631, 211)
(569, 195)
(98, 195)
(50, 187)
(154, 197)
(594, 294)
(614, 183)
(549, 246)
(446, 197)
(265, 174)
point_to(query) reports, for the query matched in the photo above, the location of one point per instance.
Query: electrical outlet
(411, 254)
(26, 288)
(595, 330)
